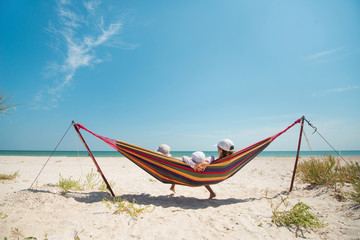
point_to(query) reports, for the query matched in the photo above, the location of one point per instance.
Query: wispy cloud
(323, 54)
(77, 31)
(334, 90)
(332, 54)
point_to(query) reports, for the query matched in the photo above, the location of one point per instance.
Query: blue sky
(185, 73)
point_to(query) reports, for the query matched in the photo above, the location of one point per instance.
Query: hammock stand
(170, 170)
(93, 158)
(297, 154)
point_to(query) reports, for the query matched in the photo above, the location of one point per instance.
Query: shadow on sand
(186, 202)
(147, 199)
(84, 197)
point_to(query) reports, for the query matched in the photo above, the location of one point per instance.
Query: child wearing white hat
(225, 148)
(199, 162)
(196, 157)
(226, 144)
(164, 149)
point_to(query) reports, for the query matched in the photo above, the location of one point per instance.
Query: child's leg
(212, 194)
(172, 188)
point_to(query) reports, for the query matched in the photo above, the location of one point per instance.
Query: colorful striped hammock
(170, 170)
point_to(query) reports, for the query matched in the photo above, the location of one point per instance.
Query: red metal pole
(297, 154)
(93, 158)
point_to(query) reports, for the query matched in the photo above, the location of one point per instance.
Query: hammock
(170, 170)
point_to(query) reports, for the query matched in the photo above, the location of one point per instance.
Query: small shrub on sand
(355, 182)
(123, 205)
(69, 184)
(355, 195)
(102, 186)
(18, 234)
(349, 173)
(319, 171)
(299, 215)
(92, 181)
(3, 215)
(328, 171)
(76, 236)
(9, 176)
(331, 173)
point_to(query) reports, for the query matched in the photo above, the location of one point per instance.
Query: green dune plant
(319, 171)
(91, 181)
(328, 172)
(69, 184)
(76, 236)
(3, 215)
(299, 215)
(355, 194)
(123, 205)
(9, 176)
(353, 173)
(102, 186)
(18, 234)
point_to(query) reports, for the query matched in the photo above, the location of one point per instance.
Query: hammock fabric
(174, 171)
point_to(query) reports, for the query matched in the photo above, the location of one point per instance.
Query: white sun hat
(198, 157)
(164, 149)
(226, 144)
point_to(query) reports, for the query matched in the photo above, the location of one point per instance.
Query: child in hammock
(164, 149)
(225, 148)
(196, 158)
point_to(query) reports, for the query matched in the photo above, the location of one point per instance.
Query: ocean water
(177, 154)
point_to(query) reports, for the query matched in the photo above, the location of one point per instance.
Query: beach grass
(9, 176)
(319, 171)
(299, 215)
(328, 172)
(76, 236)
(102, 185)
(3, 215)
(122, 205)
(355, 194)
(17, 233)
(69, 184)
(92, 181)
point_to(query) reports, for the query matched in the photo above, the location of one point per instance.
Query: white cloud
(324, 54)
(77, 33)
(92, 5)
(334, 90)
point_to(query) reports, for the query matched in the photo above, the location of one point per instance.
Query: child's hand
(201, 166)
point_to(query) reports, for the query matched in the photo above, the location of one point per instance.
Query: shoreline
(241, 207)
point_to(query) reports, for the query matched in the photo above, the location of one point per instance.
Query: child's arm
(209, 160)
(202, 166)
(188, 160)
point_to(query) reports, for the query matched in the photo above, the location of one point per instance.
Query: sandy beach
(240, 210)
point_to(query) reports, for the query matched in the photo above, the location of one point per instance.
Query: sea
(176, 154)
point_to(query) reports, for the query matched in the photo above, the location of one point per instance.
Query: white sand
(240, 211)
